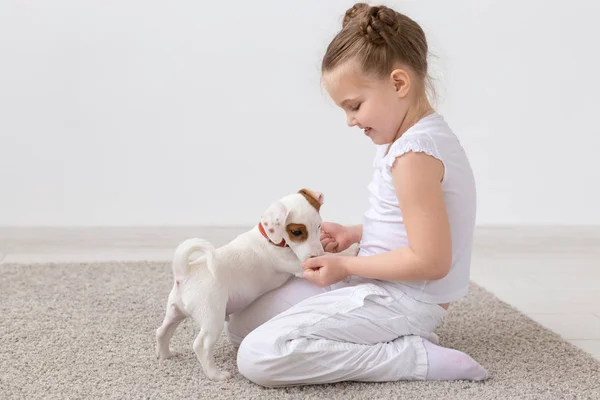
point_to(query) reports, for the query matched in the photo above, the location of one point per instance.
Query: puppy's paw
(354, 249)
(218, 375)
(163, 353)
(351, 251)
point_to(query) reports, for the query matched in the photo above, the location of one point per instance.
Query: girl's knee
(257, 360)
(261, 360)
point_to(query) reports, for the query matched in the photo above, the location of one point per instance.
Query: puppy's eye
(296, 232)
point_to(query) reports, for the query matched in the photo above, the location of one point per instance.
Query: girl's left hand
(325, 270)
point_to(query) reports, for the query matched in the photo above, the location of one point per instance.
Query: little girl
(415, 242)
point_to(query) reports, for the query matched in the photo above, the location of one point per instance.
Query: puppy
(229, 278)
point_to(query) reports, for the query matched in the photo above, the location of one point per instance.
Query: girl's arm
(417, 179)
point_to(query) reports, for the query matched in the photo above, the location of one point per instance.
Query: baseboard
(487, 237)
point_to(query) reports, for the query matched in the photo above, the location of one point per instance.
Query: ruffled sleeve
(415, 143)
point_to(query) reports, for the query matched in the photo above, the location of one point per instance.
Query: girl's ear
(401, 81)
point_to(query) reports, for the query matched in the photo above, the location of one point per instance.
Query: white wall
(153, 112)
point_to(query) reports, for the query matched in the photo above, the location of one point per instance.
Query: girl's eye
(356, 107)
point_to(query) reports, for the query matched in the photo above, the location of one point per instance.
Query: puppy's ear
(315, 198)
(273, 221)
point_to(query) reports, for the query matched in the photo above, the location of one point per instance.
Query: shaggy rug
(86, 331)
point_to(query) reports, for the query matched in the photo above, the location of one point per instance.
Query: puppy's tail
(181, 264)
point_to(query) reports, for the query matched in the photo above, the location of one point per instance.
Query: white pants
(300, 334)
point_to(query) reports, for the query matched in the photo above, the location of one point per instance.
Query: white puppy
(229, 278)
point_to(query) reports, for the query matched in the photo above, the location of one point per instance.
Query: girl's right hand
(335, 237)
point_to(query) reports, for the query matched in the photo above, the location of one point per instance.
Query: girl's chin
(379, 140)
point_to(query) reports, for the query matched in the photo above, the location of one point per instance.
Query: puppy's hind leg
(173, 317)
(211, 325)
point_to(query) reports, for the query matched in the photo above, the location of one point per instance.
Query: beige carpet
(87, 332)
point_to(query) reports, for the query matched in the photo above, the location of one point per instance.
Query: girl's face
(377, 106)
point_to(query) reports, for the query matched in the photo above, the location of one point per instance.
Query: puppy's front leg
(351, 251)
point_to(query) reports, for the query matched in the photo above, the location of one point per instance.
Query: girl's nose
(351, 121)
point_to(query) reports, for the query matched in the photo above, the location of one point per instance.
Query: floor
(552, 274)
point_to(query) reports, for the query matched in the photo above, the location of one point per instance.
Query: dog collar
(261, 228)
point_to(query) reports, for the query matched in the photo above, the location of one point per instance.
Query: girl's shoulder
(430, 135)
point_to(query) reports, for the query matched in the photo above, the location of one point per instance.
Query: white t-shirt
(383, 226)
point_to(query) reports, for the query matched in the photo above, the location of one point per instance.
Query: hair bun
(378, 23)
(353, 12)
(377, 38)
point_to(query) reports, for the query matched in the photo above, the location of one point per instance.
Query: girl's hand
(325, 270)
(335, 237)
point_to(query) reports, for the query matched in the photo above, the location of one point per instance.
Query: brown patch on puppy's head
(297, 232)
(314, 198)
